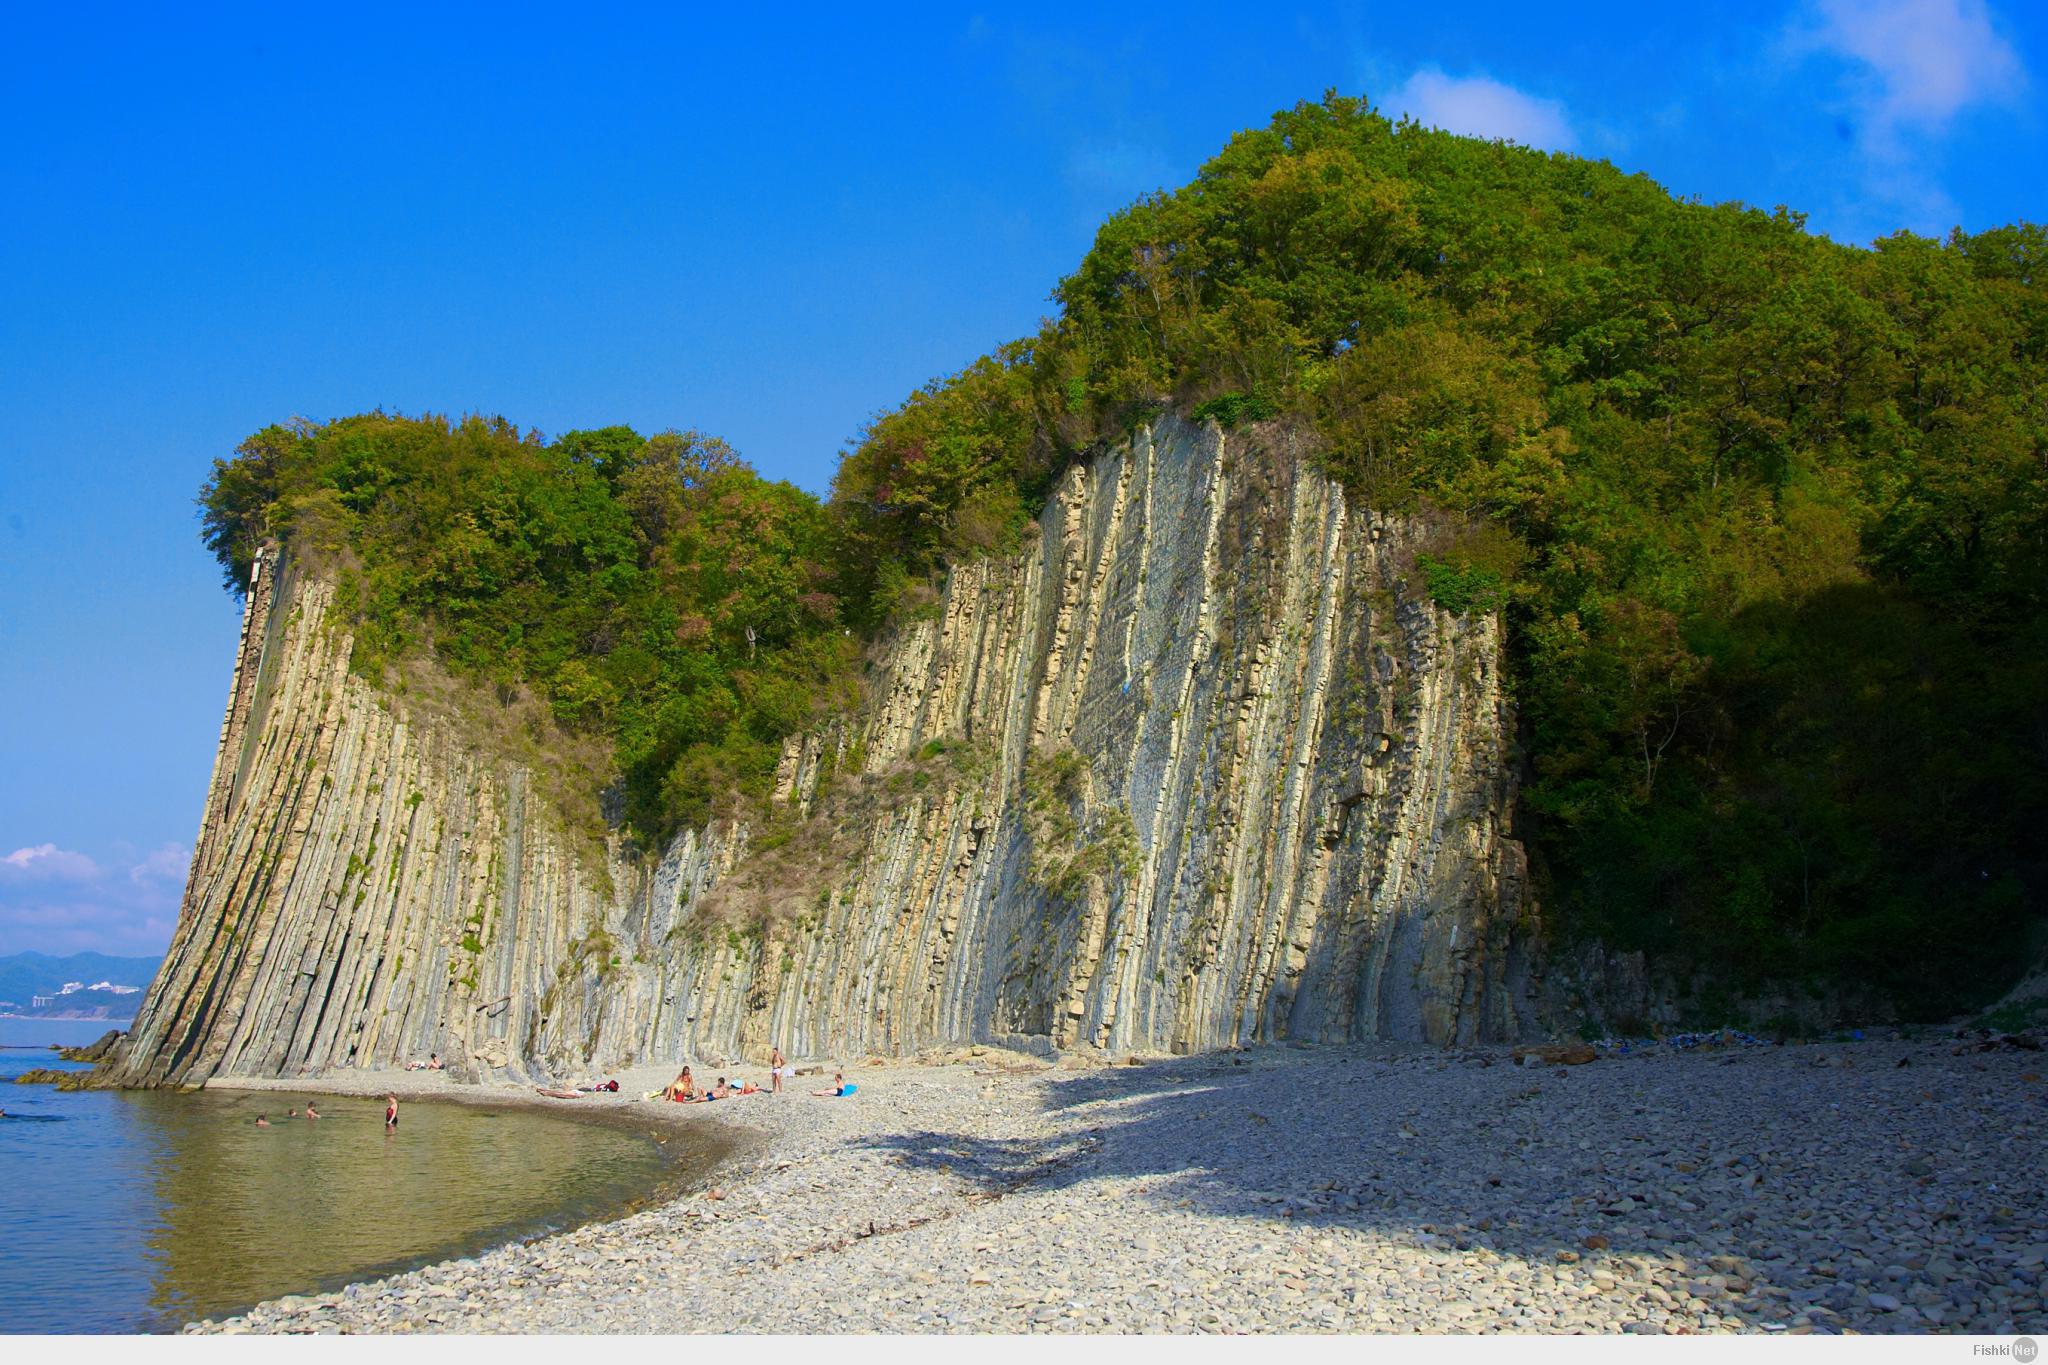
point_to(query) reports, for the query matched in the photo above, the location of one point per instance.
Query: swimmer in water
(262, 1122)
(312, 1113)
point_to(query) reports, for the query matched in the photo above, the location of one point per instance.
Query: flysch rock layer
(1198, 767)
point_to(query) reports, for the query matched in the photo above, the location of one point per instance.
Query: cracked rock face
(1198, 767)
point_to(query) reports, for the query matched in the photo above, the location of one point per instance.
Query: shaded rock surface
(1199, 767)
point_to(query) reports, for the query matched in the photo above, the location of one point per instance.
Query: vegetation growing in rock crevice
(794, 859)
(1073, 838)
(1768, 517)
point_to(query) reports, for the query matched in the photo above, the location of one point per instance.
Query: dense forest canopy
(1767, 515)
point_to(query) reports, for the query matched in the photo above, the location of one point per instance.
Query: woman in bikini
(683, 1089)
(390, 1113)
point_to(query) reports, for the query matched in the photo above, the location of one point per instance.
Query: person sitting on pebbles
(838, 1090)
(683, 1089)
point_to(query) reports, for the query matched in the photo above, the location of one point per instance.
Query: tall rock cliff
(1199, 766)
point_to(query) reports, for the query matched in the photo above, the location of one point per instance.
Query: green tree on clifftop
(1767, 516)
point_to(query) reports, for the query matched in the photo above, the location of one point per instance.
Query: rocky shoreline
(1866, 1187)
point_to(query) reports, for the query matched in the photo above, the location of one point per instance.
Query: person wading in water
(390, 1113)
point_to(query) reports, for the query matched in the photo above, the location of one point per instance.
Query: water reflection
(140, 1211)
(246, 1213)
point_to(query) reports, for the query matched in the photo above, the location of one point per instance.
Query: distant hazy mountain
(25, 976)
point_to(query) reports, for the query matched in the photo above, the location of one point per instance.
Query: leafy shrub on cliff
(1072, 837)
(656, 592)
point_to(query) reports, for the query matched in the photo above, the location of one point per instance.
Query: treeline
(1768, 517)
(656, 592)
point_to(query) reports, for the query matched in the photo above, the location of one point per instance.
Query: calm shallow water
(138, 1211)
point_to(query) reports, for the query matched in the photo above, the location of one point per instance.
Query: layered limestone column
(1201, 766)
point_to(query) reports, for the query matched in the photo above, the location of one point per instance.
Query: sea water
(137, 1211)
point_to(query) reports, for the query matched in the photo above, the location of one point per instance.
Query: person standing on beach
(775, 1064)
(390, 1113)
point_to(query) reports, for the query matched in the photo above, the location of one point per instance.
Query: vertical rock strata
(1199, 766)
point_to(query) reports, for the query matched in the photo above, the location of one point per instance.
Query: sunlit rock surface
(1202, 765)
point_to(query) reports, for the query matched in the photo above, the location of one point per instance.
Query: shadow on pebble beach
(1841, 1185)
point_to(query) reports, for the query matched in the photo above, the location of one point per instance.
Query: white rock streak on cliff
(1311, 757)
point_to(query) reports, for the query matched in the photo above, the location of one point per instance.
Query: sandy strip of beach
(1887, 1186)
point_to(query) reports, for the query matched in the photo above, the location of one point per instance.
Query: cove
(129, 1211)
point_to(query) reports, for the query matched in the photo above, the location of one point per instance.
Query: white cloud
(48, 860)
(1921, 62)
(1911, 68)
(60, 901)
(167, 863)
(1480, 106)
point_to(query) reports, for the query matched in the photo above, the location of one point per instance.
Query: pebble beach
(1863, 1187)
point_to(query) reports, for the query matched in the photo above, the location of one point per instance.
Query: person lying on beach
(839, 1088)
(719, 1091)
(558, 1094)
(601, 1088)
(683, 1089)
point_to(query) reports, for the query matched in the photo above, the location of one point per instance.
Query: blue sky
(768, 229)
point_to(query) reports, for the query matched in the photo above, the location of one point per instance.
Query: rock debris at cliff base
(1876, 1187)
